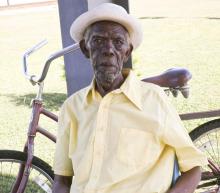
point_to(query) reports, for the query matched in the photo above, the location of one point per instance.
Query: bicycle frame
(24, 170)
(37, 110)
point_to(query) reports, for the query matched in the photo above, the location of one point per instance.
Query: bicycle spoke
(1, 177)
(206, 137)
(216, 136)
(211, 146)
(204, 144)
(204, 149)
(38, 182)
(42, 183)
(10, 176)
(9, 168)
(45, 186)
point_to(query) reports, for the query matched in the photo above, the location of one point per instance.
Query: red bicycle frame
(24, 170)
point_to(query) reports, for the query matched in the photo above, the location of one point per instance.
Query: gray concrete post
(125, 4)
(78, 69)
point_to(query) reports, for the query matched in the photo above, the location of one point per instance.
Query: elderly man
(119, 135)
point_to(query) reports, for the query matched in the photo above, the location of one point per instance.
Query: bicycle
(21, 171)
(25, 172)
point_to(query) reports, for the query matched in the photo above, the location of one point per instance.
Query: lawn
(193, 43)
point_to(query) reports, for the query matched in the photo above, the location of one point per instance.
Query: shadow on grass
(51, 101)
(7, 180)
(152, 17)
(217, 18)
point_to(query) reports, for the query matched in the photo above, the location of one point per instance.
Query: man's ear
(82, 45)
(128, 53)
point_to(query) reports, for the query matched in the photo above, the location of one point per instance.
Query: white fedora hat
(107, 12)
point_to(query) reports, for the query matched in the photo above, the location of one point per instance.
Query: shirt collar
(131, 88)
(90, 93)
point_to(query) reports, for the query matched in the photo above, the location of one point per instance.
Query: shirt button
(95, 176)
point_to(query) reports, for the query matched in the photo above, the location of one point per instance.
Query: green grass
(192, 43)
(19, 32)
(9, 171)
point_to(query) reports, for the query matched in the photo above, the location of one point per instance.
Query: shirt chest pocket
(136, 148)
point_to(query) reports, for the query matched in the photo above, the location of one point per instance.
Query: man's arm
(187, 182)
(62, 184)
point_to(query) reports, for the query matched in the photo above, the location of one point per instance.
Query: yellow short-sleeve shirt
(124, 142)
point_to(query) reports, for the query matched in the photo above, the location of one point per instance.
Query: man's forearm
(62, 184)
(187, 182)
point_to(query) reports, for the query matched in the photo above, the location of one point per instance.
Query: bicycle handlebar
(38, 80)
(33, 78)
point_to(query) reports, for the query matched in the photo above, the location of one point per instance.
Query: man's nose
(108, 48)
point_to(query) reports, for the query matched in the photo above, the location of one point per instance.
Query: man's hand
(187, 182)
(62, 184)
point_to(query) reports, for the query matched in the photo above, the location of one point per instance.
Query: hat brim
(109, 12)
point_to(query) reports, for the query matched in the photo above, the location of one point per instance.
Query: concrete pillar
(125, 4)
(78, 69)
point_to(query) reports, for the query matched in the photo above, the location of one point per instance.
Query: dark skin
(62, 184)
(187, 182)
(108, 46)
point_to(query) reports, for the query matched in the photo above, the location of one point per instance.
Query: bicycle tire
(207, 138)
(41, 174)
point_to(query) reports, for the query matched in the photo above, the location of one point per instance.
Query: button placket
(99, 141)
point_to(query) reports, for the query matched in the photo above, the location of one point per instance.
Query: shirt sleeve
(176, 136)
(65, 142)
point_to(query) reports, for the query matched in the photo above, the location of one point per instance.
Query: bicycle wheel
(41, 174)
(207, 138)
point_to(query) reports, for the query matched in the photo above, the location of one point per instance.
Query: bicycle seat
(172, 78)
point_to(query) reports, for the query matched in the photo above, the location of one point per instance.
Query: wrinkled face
(108, 47)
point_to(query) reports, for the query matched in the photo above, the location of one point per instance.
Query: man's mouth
(107, 66)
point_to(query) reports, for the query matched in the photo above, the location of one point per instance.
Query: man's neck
(103, 89)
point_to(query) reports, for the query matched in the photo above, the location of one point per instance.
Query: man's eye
(118, 41)
(97, 40)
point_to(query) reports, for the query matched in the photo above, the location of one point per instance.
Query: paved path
(17, 2)
(27, 5)
(28, 8)
(176, 8)
(142, 8)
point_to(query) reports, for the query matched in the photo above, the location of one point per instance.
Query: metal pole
(77, 68)
(125, 4)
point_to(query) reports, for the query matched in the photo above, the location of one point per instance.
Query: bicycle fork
(216, 171)
(212, 177)
(24, 170)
